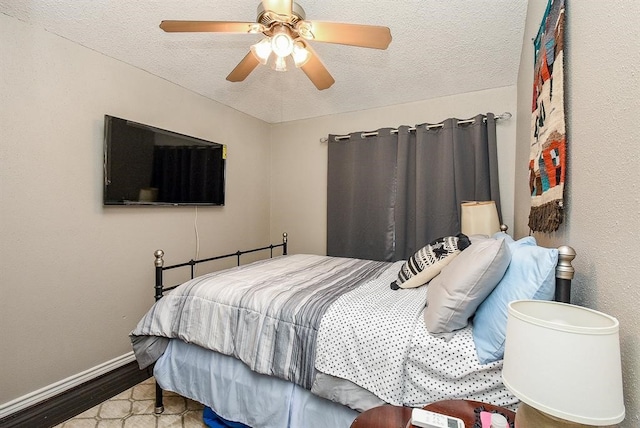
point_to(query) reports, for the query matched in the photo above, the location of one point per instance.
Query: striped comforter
(266, 314)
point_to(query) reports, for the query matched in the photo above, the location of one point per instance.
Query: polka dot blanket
(375, 337)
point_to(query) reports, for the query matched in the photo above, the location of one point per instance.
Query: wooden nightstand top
(389, 416)
(465, 410)
(386, 416)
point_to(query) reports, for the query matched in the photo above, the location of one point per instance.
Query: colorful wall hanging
(547, 156)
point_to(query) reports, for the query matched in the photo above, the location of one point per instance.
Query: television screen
(144, 165)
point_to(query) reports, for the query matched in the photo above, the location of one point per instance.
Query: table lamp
(479, 218)
(563, 362)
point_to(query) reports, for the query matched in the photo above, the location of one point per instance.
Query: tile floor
(133, 408)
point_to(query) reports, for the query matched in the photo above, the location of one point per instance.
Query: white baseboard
(54, 389)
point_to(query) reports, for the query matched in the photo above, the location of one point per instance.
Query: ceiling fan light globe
(280, 64)
(282, 44)
(262, 50)
(300, 55)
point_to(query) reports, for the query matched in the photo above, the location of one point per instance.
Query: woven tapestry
(547, 156)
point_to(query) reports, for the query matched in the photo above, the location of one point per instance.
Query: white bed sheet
(436, 370)
(238, 394)
(376, 338)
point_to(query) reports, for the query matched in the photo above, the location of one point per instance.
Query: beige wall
(602, 93)
(73, 274)
(76, 277)
(299, 160)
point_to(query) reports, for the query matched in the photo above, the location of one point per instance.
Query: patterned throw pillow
(428, 261)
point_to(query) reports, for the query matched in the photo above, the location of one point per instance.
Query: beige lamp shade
(479, 218)
(564, 360)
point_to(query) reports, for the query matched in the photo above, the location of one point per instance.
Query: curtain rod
(504, 116)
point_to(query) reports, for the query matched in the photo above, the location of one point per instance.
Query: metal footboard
(160, 289)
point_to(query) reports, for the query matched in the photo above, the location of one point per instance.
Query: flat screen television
(144, 165)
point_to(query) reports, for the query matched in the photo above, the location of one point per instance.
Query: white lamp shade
(479, 218)
(564, 360)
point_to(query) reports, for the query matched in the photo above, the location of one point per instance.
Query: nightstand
(389, 416)
(386, 416)
(465, 410)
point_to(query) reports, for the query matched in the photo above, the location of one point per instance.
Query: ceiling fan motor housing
(269, 18)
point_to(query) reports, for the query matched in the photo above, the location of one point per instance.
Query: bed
(308, 340)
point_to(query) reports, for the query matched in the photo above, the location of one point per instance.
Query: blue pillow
(530, 275)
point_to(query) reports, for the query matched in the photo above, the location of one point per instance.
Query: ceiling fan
(287, 39)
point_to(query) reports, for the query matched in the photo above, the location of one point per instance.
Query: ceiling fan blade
(244, 68)
(316, 71)
(280, 7)
(366, 36)
(211, 27)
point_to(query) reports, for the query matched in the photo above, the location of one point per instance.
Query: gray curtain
(392, 193)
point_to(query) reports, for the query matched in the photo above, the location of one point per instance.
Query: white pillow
(456, 293)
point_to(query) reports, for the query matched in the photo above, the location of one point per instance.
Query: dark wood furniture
(389, 416)
(386, 416)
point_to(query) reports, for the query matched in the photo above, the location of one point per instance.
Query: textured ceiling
(439, 48)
